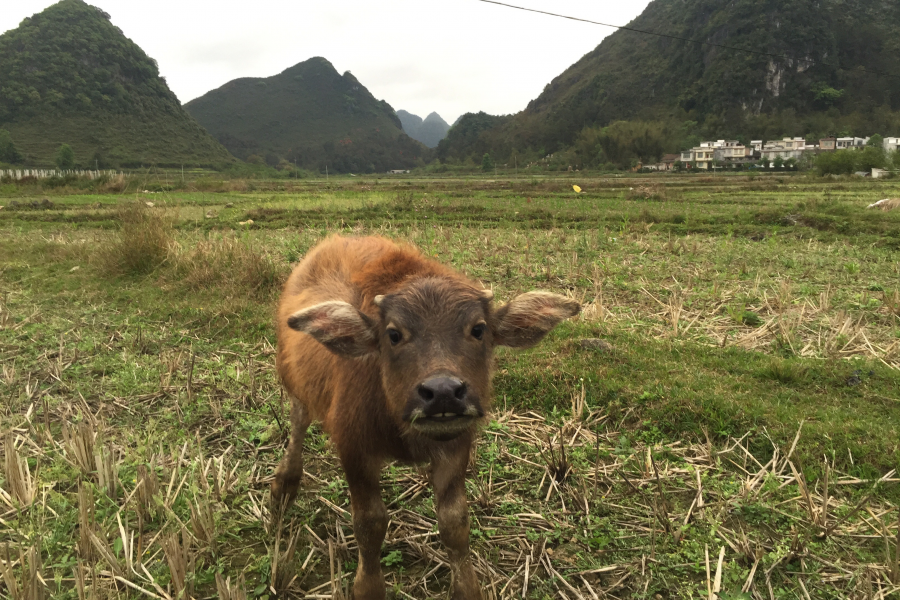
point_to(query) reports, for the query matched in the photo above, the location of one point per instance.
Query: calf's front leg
(449, 481)
(370, 521)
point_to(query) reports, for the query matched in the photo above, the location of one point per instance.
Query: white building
(891, 144)
(845, 143)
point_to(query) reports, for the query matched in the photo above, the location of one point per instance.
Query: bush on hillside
(65, 157)
(8, 151)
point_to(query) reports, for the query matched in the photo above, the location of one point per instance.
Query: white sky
(451, 57)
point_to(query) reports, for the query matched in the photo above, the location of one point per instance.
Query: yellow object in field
(577, 189)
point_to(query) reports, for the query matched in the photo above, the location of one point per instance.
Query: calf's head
(434, 340)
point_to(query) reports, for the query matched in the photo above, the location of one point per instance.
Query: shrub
(143, 242)
(842, 162)
(65, 157)
(227, 263)
(8, 151)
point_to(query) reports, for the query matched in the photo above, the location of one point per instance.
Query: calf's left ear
(338, 326)
(525, 320)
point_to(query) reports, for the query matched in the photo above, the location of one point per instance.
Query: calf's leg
(370, 521)
(449, 481)
(290, 469)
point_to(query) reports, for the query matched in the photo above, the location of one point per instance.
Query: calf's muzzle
(442, 408)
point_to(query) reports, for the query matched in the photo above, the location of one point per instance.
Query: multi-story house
(891, 144)
(786, 148)
(700, 157)
(687, 158)
(733, 152)
(704, 156)
(846, 143)
(828, 144)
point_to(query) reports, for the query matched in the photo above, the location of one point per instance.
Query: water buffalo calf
(392, 353)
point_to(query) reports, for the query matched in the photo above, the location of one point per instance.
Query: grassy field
(722, 417)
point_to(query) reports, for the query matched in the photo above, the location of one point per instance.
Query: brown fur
(417, 398)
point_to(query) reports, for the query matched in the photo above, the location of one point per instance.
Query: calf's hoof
(284, 492)
(368, 589)
(465, 585)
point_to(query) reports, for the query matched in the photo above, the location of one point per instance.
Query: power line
(684, 39)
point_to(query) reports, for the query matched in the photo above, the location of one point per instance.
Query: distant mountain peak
(429, 131)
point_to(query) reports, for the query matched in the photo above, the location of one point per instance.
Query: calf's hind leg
(290, 469)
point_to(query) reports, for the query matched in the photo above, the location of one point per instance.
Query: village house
(846, 143)
(700, 157)
(666, 164)
(732, 152)
(723, 152)
(786, 148)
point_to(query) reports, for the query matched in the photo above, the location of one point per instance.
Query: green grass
(173, 366)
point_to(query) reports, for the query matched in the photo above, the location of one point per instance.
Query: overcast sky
(452, 57)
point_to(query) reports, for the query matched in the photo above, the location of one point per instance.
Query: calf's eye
(395, 336)
(478, 331)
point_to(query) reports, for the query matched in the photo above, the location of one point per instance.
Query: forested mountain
(69, 76)
(308, 114)
(430, 131)
(805, 79)
(472, 135)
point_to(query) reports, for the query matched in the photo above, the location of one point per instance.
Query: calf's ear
(338, 326)
(525, 320)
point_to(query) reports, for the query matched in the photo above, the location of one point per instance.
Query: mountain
(805, 76)
(308, 114)
(430, 131)
(68, 75)
(472, 135)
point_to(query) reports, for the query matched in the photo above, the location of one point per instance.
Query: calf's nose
(439, 390)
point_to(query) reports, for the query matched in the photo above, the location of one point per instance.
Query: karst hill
(813, 67)
(69, 76)
(310, 115)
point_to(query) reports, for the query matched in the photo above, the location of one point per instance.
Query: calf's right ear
(338, 326)
(527, 318)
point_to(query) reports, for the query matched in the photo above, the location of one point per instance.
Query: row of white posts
(19, 174)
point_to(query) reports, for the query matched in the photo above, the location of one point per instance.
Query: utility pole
(326, 173)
